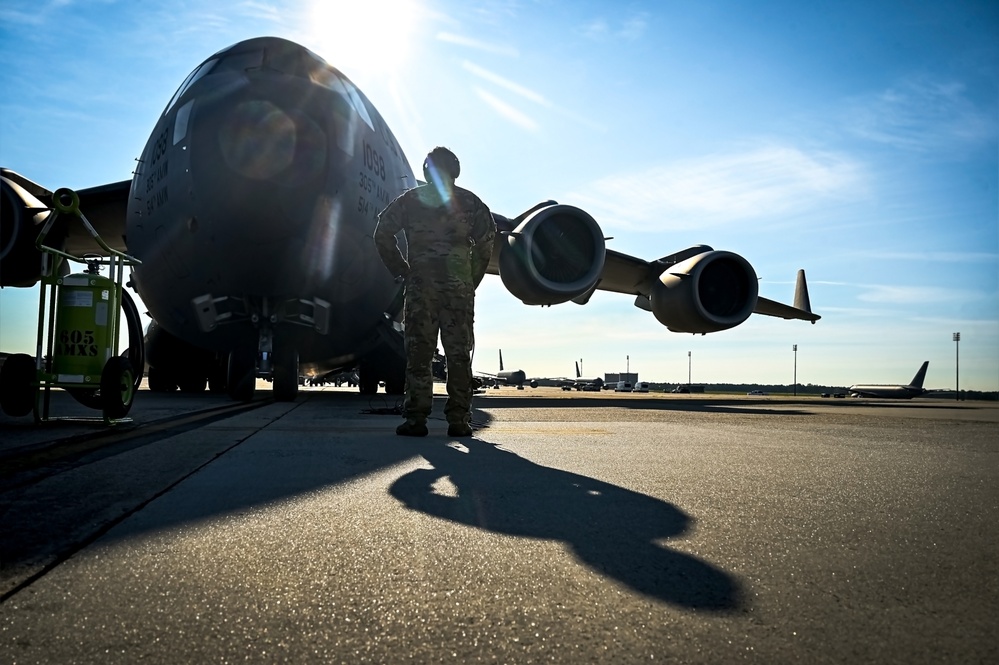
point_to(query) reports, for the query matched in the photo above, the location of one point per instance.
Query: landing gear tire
(160, 380)
(395, 385)
(367, 384)
(17, 389)
(217, 375)
(242, 376)
(193, 384)
(286, 375)
(117, 387)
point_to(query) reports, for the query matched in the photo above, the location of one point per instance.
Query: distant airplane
(252, 208)
(510, 377)
(914, 389)
(584, 382)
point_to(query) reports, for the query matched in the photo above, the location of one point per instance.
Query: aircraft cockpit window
(180, 122)
(326, 77)
(284, 61)
(189, 81)
(240, 61)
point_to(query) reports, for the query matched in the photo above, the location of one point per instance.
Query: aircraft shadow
(611, 529)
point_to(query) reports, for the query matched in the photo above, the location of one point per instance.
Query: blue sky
(857, 140)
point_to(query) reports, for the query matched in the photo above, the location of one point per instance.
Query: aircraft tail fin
(577, 370)
(801, 300)
(917, 381)
(501, 360)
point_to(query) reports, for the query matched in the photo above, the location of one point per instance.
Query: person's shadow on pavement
(609, 528)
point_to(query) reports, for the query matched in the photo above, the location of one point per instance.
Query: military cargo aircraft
(252, 209)
(507, 377)
(587, 382)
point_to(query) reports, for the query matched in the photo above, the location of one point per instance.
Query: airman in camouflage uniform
(449, 233)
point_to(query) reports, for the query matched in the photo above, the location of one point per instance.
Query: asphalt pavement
(569, 529)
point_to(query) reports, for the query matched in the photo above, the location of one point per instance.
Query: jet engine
(21, 218)
(555, 254)
(706, 293)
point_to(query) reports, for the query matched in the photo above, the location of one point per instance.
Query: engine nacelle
(20, 262)
(706, 293)
(554, 255)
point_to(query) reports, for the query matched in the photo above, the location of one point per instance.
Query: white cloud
(511, 86)
(922, 115)
(717, 189)
(634, 27)
(934, 257)
(263, 11)
(507, 111)
(477, 44)
(507, 84)
(630, 28)
(915, 295)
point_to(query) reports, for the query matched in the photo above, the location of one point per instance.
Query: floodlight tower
(795, 370)
(957, 366)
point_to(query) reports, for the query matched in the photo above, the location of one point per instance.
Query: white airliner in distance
(252, 208)
(914, 389)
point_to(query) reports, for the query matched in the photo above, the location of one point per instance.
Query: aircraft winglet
(802, 308)
(801, 300)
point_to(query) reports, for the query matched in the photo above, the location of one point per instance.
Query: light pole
(688, 369)
(795, 370)
(957, 366)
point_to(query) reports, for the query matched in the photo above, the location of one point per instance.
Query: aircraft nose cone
(263, 142)
(263, 152)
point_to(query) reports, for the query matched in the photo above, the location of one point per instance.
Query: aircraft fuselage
(254, 203)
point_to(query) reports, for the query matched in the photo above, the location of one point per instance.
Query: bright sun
(362, 39)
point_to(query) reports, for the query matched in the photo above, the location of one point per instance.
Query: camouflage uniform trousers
(448, 308)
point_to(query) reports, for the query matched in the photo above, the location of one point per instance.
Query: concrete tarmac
(572, 528)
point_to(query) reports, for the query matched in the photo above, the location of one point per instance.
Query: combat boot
(411, 428)
(459, 429)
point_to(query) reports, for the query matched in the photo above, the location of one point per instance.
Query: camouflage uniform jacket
(450, 236)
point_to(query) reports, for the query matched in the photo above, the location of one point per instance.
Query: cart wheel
(117, 387)
(17, 385)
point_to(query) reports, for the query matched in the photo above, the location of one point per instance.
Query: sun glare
(363, 38)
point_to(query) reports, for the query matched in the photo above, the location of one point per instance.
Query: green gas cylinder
(85, 306)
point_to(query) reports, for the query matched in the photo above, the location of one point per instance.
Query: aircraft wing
(555, 253)
(27, 206)
(634, 276)
(105, 207)
(773, 308)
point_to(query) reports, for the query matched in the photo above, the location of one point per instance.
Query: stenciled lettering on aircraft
(373, 161)
(156, 176)
(157, 170)
(373, 196)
